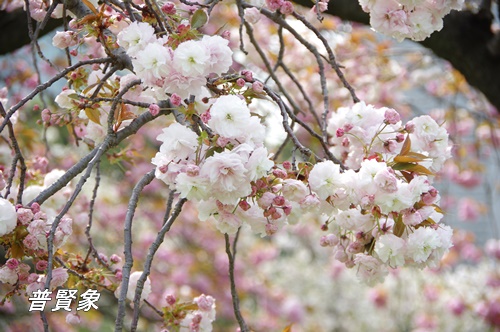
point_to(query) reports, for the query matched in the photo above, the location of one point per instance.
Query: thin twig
(149, 259)
(47, 84)
(92, 250)
(127, 233)
(18, 157)
(50, 239)
(79, 167)
(234, 294)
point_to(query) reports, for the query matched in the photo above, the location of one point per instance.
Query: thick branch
(14, 30)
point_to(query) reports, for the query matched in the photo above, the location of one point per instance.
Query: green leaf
(426, 222)
(438, 209)
(199, 19)
(399, 226)
(412, 168)
(93, 115)
(417, 155)
(17, 250)
(406, 146)
(406, 159)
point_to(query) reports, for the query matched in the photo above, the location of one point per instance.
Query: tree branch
(234, 294)
(14, 30)
(168, 221)
(129, 260)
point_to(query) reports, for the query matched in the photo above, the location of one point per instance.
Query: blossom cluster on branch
(413, 19)
(366, 175)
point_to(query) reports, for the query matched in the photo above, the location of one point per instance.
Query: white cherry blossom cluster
(182, 70)
(218, 176)
(364, 131)
(385, 207)
(382, 210)
(413, 19)
(200, 320)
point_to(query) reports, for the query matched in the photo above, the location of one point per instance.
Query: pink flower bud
(410, 127)
(279, 173)
(240, 82)
(260, 184)
(41, 265)
(226, 34)
(154, 109)
(391, 116)
(103, 257)
(193, 170)
(271, 229)
(340, 255)
(205, 302)
(205, 116)
(115, 259)
(274, 4)
(329, 240)
(287, 209)
(252, 15)
(347, 127)
(46, 116)
(175, 99)
(345, 142)
(400, 137)
(287, 8)
(24, 215)
(322, 6)
(33, 277)
(247, 74)
(275, 215)
(258, 87)
(12, 263)
(279, 200)
(355, 248)
(196, 321)
(169, 8)
(163, 169)
(182, 28)
(287, 165)
(30, 242)
(170, 299)
(244, 205)
(222, 141)
(340, 132)
(269, 212)
(266, 200)
(40, 163)
(35, 207)
(40, 215)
